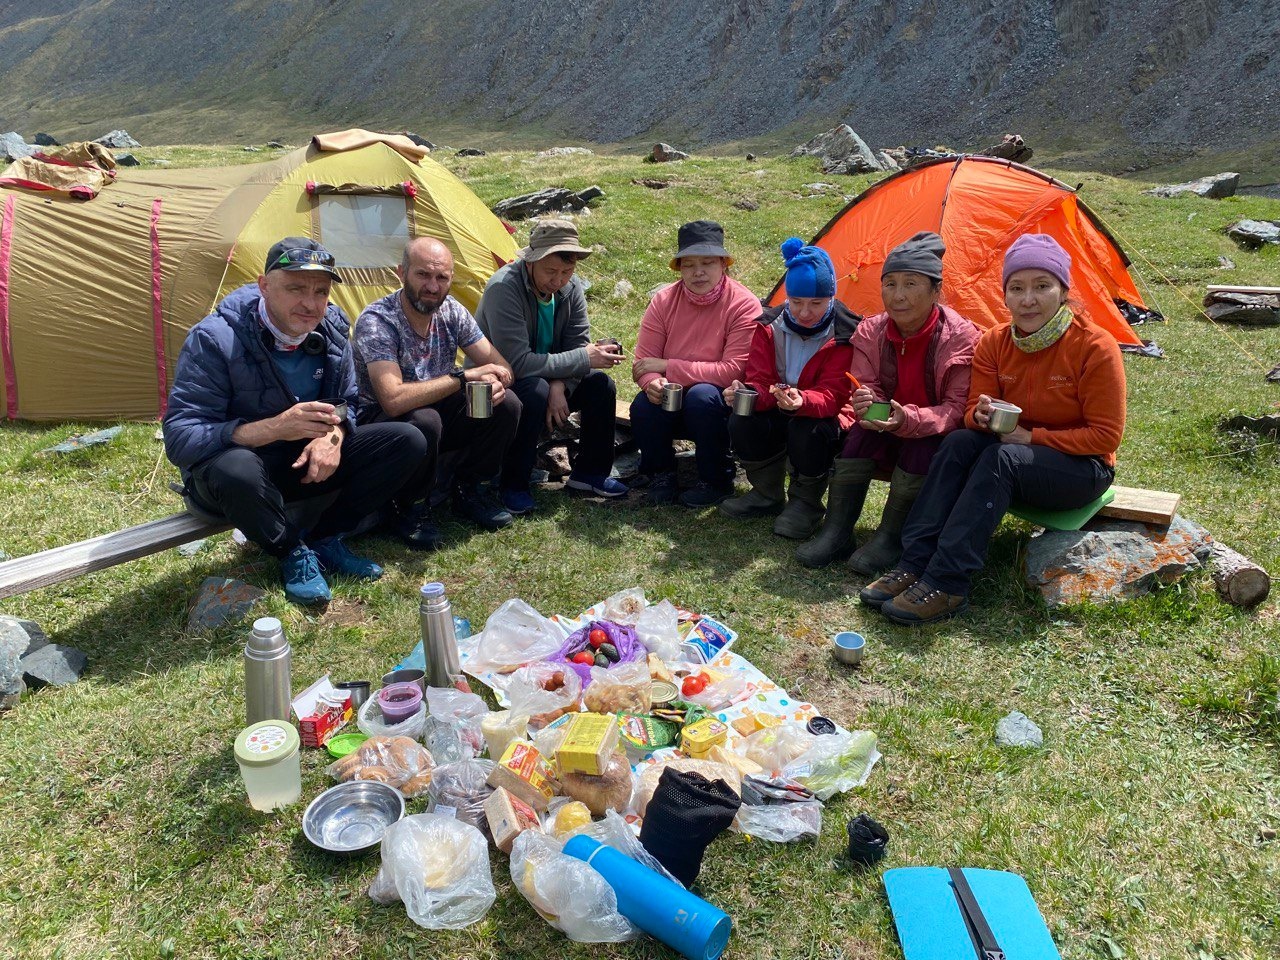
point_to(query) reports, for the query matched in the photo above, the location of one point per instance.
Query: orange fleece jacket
(1072, 394)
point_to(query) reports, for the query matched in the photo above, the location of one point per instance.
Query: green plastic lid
(344, 743)
(266, 742)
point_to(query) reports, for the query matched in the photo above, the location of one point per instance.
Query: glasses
(288, 258)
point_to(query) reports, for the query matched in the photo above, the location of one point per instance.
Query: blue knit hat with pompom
(810, 272)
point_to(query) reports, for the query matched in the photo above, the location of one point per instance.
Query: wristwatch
(461, 376)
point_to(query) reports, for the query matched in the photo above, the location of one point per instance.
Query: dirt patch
(342, 612)
(840, 692)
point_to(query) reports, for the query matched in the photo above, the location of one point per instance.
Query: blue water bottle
(658, 906)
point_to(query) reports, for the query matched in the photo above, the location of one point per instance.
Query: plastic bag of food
(610, 790)
(371, 722)
(627, 688)
(647, 777)
(516, 634)
(835, 763)
(622, 647)
(567, 893)
(463, 711)
(716, 696)
(544, 692)
(781, 823)
(614, 831)
(398, 761)
(438, 867)
(775, 747)
(549, 738)
(625, 606)
(658, 628)
(462, 788)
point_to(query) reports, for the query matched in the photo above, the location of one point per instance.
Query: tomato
(597, 637)
(693, 684)
(584, 656)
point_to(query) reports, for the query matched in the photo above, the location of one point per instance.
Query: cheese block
(508, 817)
(588, 744)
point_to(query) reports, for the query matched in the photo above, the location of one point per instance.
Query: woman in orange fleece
(1067, 376)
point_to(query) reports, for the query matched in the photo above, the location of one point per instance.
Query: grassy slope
(1137, 826)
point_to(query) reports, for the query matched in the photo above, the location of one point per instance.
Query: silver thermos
(439, 642)
(266, 672)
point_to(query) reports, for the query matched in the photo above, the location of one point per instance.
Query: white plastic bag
(780, 822)
(567, 892)
(776, 747)
(835, 763)
(658, 628)
(717, 696)
(439, 868)
(625, 606)
(516, 634)
(462, 711)
(614, 831)
(371, 722)
(544, 692)
(462, 788)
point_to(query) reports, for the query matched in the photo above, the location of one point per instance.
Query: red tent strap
(6, 346)
(157, 313)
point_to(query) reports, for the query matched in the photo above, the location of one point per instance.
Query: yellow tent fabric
(97, 297)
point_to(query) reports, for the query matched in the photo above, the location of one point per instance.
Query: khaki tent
(96, 297)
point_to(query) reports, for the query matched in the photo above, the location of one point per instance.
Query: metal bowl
(353, 816)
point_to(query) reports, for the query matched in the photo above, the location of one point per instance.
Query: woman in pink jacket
(697, 333)
(915, 357)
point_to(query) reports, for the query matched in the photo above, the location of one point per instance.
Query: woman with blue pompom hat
(913, 362)
(799, 358)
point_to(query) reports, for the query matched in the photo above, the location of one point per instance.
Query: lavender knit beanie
(1038, 251)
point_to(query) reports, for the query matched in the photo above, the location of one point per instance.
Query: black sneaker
(705, 495)
(416, 528)
(473, 502)
(663, 488)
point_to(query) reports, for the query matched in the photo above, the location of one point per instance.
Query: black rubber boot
(850, 480)
(766, 495)
(884, 549)
(804, 510)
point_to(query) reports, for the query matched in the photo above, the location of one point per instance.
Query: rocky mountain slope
(1162, 75)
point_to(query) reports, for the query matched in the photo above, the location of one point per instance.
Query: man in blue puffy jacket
(253, 421)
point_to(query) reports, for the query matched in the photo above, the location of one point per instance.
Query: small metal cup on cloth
(1004, 417)
(672, 397)
(479, 399)
(744, 401)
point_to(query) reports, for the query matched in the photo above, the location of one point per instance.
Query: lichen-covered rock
(221, 600)
(1113, 559)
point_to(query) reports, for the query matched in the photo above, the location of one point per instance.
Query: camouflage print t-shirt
(383, 332)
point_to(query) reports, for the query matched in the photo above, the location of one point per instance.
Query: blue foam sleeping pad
(932, 927)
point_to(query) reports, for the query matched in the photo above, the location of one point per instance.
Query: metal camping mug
(339, 407)
(479, 399)
(744, 401)
(1004, 417)
(406, 675)
(672, 397)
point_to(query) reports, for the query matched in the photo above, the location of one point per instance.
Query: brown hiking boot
(923, 604)
(883, 590)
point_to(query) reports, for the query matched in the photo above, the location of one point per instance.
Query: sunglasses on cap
(297, 256)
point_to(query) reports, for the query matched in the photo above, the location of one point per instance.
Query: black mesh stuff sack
(686, 813)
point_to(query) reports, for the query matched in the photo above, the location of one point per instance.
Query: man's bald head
(426, 270)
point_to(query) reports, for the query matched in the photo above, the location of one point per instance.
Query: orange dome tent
(979, 205)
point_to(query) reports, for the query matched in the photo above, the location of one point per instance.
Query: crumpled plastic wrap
(658, 628)
(566, 892)
(463, 787)
(516, 634)
(438, 867)
(835, 763)
(371, 722)
(544, 692)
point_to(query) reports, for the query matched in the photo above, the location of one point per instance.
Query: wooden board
(1225, 288)
(63, 563)
(1146, 506)
(622, 412)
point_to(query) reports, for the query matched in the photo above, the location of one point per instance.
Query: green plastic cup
(878, 411)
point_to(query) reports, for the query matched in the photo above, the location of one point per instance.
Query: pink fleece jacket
(700, 344)
(952, 355)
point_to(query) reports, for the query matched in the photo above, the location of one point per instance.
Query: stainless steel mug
(339, 407)
(267, 660)
(358, 691)
(744, 401)
(479, 399)
(1004, 417)
(672, 397)
(406, 675)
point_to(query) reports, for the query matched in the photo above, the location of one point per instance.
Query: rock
(127, 160)
(1113, 560)
(13, 147)
(744, 204)
(590, 193)
(221, 600)
(18, 639)
(53, 665)
(472, 152)
(623, 289)
(1226, 263)
(840, 151)
(1268, 425)
(81, 440)
(751, 158)
(652, 183)
(1012, 147)
(548, 200)
(117, 140)
(192, 548)
(820, 186)
(161, 161)
(562, 152)
(1253, 309)
(275, 145)
(555, 460)
(1273, 375)
(1266, 834)
(1213, 188)
(420, 141)
(13, 696)
(249, 149)
(1018, 730)
(1253, 234)
(888, 162)
(665, 153)
(45, 140)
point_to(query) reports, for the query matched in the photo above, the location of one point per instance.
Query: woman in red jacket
(799, 356)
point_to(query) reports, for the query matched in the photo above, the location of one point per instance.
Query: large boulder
(1113, 560)
(547, 200)
(117, 140)
(666, 153)
(562, 152)
(1011, 147)
(1214, 188)
(840, 150)
(1253, 234)
(1253, 309)
(13, 147)
(420, 141)
(53, 665)
(19, 639)
(45, 140)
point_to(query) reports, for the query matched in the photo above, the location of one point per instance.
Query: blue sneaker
(334, 557)
(303, 581)
(517, 502)
(595, 483)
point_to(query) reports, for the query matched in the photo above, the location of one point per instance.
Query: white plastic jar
(270, 764)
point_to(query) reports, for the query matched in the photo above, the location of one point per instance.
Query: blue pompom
(790, 247)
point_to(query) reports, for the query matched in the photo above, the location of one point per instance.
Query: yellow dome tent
(97, 296)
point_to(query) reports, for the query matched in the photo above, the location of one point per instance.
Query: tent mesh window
(363, 231)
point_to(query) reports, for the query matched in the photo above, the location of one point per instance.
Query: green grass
(1138, 826)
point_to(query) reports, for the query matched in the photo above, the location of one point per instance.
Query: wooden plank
(1227, 288)
(622, 412)
(64, 563)
(1146, 506)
